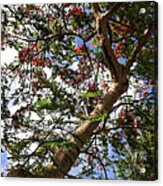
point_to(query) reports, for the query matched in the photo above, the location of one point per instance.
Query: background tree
(83, 88)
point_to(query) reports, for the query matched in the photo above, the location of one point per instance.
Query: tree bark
(66, 157)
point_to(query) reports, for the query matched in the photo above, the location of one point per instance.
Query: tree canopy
(80, 98)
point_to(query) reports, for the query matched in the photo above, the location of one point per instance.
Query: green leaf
(98, 118)
(44, 104)
(91, 94)
(48, 84)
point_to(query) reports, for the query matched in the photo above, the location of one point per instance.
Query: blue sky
(79, 41)
(3, 161)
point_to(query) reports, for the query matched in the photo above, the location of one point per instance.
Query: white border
(59, 1)
(55, 182)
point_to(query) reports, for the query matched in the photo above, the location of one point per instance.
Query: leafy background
(47, 97)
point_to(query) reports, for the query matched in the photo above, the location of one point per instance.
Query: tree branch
(99, 160)
(112, 9)
(65, 157)
(116, 69)
(138, 47)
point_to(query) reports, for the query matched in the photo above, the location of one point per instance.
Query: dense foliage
(62, 71)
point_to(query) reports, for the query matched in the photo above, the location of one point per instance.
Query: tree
(84, 89)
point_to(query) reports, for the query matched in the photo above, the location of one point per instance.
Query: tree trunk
(66, 157)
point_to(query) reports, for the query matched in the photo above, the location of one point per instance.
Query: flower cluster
(92, 87)
(126, 116)
(39, 62)
(75, 11)
(119, 50)
(25, 55)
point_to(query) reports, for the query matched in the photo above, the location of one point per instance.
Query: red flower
(117, 46)
(151, 83)
(41, 63)
(122, 115)
(76, 11)
(79, 49)
(27, 10)
(91, 87)
(24, 54)
(145, 90)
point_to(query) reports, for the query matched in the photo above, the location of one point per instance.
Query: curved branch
(138, 47)
(65, 157)
(99, 160)
(112, 9)
(116, 69)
